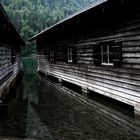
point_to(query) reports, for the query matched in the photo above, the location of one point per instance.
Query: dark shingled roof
(96, 3)
(4, 17)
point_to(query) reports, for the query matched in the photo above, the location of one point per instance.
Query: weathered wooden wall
(10, 61)
(120, 82)
(10, 66)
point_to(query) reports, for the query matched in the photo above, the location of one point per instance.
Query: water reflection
(67, 117)
(40, 110)
(10, 125)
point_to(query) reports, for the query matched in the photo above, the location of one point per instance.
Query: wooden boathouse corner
(10, 59)
(97, 49)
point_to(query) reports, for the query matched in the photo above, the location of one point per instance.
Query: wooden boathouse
(10, 61)
(97, 49)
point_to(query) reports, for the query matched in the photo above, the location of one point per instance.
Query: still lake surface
(39, 109)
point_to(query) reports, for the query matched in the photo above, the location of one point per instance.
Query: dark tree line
(31, 16)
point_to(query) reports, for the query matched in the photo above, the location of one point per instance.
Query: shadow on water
(112, 103)
(13, 120)
(71, 117)
(15, 114)
(40, 109)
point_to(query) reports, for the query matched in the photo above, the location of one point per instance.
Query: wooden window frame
(106, 53)
(52, 58)
(70, 55)
(13, 57)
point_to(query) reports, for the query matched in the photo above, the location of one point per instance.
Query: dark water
(39, 109)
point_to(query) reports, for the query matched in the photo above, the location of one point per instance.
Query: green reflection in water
(29, 65)
(35, 128)
(21, 120)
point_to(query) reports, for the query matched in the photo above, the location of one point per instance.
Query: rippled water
(40, 109)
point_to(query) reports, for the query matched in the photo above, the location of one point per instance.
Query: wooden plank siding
(87, 32)
(10, 60)
(9, 68)
(122, 83)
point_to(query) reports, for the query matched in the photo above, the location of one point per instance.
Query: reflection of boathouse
(97, 49)
(10, 62)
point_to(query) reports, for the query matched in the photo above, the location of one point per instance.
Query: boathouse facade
(97, 49)
(10, 61)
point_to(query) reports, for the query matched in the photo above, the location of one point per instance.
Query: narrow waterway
(41, 110)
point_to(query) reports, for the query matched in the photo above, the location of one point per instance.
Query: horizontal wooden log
(131, 60)
(112, 93)
(131, 55)
(130, 49)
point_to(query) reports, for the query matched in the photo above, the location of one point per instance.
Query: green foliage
(32, 16)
